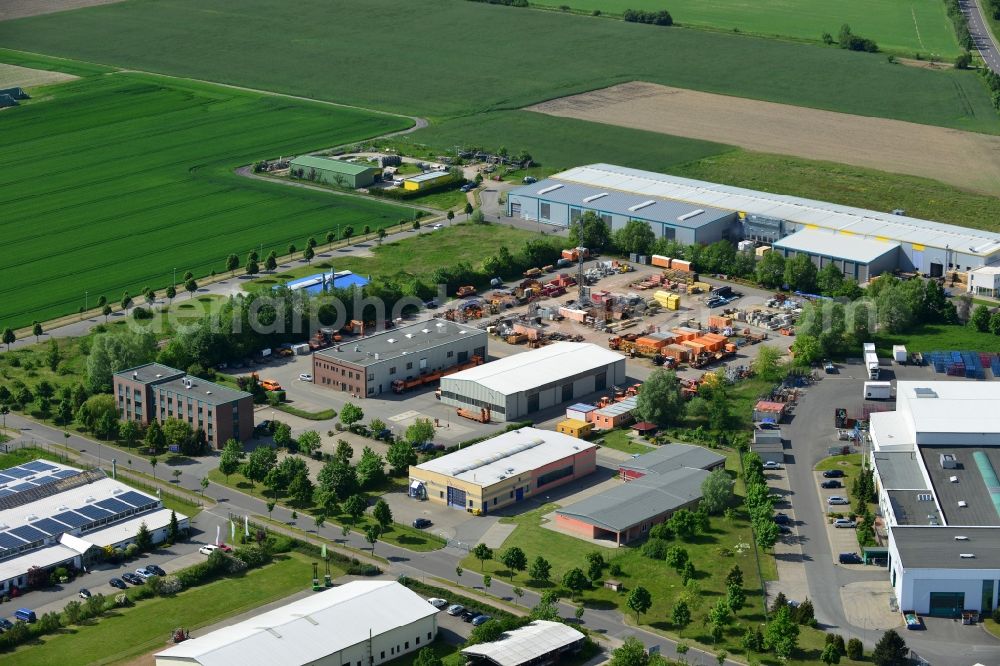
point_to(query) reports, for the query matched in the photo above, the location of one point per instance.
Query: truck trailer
(878, 390)
(871, 360)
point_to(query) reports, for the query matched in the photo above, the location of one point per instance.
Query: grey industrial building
(368, 366)
(694, 211)
(857, 258)
(521, 384)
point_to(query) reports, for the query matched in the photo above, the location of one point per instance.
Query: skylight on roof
(594, 197)
(550, 188)
(640, 206)
(688, 216)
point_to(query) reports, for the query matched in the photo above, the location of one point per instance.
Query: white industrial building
(521, 384)
(54, 515)
(985, 281)
(697, 211)
(936, 459)
(357, 624)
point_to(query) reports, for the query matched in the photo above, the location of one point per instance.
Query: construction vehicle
(464, 291)
(403, 385)
(354, 327)
(482, 416)
(533, 273)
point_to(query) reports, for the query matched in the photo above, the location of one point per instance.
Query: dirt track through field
(964, 159)
(12, 9)
(12, 76)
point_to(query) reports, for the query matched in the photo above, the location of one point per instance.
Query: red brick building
(155, 392)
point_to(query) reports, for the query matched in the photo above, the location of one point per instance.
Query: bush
(170, 585)
(359, 569)
(141, 313)
(661, 17)
(253, 556)
(855, 650)
(963, 61)
(655, 549)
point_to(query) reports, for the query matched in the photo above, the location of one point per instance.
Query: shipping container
(660, 260)
(899, 353)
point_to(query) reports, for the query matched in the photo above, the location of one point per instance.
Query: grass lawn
(940, 337)
(132, 631)
(27, 454)
(133, 175)
(542, 59)
(991, 626)
(622, 441)
(420, 254)
(398, 534)
(174, 501)
(919, 26)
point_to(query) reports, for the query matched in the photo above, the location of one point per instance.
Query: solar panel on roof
(28, 533)
(136, 499)
(5, 492)
(114, 505)
(18, 473)
(50, 526)
(21, 487)
(38, 466)
(94, 512)
(65, 473)
(71, 519)
(5, 479)
(10, 542)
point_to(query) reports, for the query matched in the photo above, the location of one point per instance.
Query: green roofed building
(334, 172)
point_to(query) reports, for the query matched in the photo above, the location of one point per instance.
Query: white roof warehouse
(924, 246)
(361, 622)
(523, 383)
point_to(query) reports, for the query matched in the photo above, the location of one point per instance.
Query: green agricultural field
(908, 27)
(559, 143)
(122, 178)
(323, 50)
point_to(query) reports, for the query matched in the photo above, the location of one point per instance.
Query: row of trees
(758, 502)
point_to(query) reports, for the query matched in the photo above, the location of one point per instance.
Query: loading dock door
(937, 270)
(456, 498)
(947, 604)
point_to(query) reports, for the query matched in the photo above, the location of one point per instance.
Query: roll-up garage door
(456, 498)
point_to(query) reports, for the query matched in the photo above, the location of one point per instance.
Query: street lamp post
(174, 283)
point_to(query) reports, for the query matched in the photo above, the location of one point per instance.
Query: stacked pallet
(667, 300)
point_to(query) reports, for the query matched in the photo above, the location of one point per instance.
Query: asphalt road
(982, 38)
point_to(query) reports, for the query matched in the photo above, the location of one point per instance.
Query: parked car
(844, 522)
(528, 180)
(305, 377)
(767, 425)
(84, 593)
(837, 499)
(455, 609)
(155, 570)
(25, 615)
(784, 529)
(832, 483)
(770, 464)
(469, 615)
(481, 619)
(782, 518)
(437, 602)
(833, 474)
(421, 523)
(437, 226)
(208, 549)
(132, 579)
(829, 368)
(143, 573)
(5, 624)
(119, 583)
(850, 558)
(263, 426)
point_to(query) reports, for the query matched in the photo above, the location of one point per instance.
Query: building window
(575, 214)
(409, 366)
(392, 370)
(544, 211)
(495, 499)
(470, 502)
(428, 635)
(555, 475)
(606, 219)
(383, 655)
(418, 640)
(406, 645)
(441, 494)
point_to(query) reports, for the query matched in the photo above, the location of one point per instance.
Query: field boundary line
(916, 27)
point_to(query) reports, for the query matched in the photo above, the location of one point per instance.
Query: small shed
(613, 585)
(616, 414)
(575, 428)
(766, 410)
(426, 180)
(645, 428)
